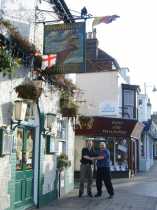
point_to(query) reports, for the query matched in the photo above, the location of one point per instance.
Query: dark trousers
(103, 174)
(86, 173)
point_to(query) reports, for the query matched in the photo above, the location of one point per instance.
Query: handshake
(89, 158)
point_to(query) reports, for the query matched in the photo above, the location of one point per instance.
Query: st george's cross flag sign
(48, 60)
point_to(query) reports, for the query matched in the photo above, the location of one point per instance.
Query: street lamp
(154, 89)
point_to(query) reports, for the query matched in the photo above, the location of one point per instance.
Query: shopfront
(117, 133)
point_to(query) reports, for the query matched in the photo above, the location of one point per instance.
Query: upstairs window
(129, 107)
(129, 97)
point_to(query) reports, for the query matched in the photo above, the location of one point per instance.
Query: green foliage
(16, 37)
(8, 64)
(63, 162)
(68, 106)
(28, 90)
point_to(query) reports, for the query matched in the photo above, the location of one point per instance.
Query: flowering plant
(63, 162)
(9, 64)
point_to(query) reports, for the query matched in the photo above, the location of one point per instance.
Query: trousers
(103, 174)
(86, 173)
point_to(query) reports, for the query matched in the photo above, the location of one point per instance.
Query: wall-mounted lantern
(19, 113)
(51, 146)
(50, 119)
(50, 123)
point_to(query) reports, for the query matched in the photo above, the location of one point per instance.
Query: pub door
(24, 166)
(131, 158)
(135, 157)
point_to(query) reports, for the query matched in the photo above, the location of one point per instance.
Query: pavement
(139, 193)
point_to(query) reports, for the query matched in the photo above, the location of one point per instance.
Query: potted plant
(63, 162)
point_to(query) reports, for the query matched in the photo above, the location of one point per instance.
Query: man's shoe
(110, 196)
(90, 194)
(98, 195)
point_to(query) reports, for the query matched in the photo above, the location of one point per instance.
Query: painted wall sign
(107, 108)
(109, 127)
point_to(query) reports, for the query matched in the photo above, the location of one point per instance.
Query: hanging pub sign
(67, 42)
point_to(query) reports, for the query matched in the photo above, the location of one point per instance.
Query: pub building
(122, 137)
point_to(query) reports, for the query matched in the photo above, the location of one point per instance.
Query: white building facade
(147, 140)
(29, 175)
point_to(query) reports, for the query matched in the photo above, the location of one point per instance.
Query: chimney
(94, 33)
(89, 35)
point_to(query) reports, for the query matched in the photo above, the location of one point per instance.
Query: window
(155, 149)
(6, 142)
(61, 135)
(49, 1)
(121, 156)
(142, 145)
(61, 129)
(140, 102)
(129, 103)
(19, 146)
(129, 97)
(118, 148)
(30, 112)
(24, 148)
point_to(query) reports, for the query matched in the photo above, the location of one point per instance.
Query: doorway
(24, 166)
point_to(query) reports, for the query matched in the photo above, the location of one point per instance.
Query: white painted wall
(22, 14)
(69, 173)
(102, 92)
(5, 176)
(79, 144)
(144, 111)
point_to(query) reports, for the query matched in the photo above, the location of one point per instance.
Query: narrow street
(137, 194)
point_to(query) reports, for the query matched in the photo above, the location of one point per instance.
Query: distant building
(147, 140)
(111, 102)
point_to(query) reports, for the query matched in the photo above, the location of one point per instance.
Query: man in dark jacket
(86, 168)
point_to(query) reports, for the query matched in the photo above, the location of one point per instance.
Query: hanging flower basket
(29, 90)
(68, 107)
(69, 111)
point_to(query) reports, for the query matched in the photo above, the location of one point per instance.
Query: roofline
(133, 87)
(67, 16)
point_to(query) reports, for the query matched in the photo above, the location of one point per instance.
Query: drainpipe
(39, 115)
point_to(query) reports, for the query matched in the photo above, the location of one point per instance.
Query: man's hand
(87, 157)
